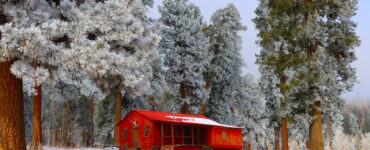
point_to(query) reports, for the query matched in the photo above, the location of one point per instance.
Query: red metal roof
(181, 118)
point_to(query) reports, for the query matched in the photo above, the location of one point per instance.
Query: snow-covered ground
(54, 148)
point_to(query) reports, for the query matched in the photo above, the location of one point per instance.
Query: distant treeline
(361, 112)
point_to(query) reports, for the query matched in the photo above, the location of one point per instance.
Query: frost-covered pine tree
(320, 36)
(28, 49)
(250, 111)
(351, 124)
(185, 48)
(224, 71)
(269, 84)
(279, 59)
(114, 43)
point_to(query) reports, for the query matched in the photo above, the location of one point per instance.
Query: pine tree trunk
(249, 146)
(185, 107)
(315, 141)
(117, 115)
(257, 141)
(268, 147)
(330, 134)
(11, 110)
(284, 121)
(284, 134)
(277, 140)
(84, 137)
(36, 121)
(202, 110)
(66, 124)
(55, 138)
(91, 134)
(203, 107)
(36, 118)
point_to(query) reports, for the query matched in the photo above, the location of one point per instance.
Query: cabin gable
(136, 131)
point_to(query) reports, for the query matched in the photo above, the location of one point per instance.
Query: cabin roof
(181, 118)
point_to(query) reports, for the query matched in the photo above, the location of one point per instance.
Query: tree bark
(91, 134)
(36, 121)
(268, 147)
(284, 134)
(277, 140)
(66, 124)
(249, 145)
(117, 115)
(330, 134)
(203, 107)
(284, 121)
(257, 141)
(36, 118)
(315, 141)
(185, 107)
(203, 110)
(11, 110)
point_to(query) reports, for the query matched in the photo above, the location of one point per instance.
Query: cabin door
(135, 137)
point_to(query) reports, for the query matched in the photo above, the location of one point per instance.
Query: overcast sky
(361, 91)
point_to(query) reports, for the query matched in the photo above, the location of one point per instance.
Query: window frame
(125, 134)
(224, 135)
(146, 131)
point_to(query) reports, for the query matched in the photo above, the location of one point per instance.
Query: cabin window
(224, 136)
(177, 131)
(146, 132)
(124, 134)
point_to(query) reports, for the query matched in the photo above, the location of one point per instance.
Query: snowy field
(53, 148)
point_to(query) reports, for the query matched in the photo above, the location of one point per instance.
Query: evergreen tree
(225, 68)
(269, 85)
(28, 33)
(317, 38)
(114, 43)
(350, 124)
(185, 49)
(250, 110)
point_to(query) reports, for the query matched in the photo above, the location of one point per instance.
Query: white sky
(361, 91)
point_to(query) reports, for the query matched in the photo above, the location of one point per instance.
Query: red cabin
(148, 130)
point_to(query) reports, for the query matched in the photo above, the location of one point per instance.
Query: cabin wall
(157, 134)
(226, 138)
(137, 123)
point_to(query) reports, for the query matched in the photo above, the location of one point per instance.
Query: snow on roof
(181, 118)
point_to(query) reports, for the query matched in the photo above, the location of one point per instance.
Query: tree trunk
(256, 136)
(249, 146)
(202, 110)
(284, 121)
(268, 147)
(277, 140)
(203, 107)
(330, 134)
(84, 137)
(66, 124)
(36, 118)
(36, 121)
(284, 134)
(91, 134)
(11, 110)
(55, 139)
(117, 115)
(315, 141)
(185, 107)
